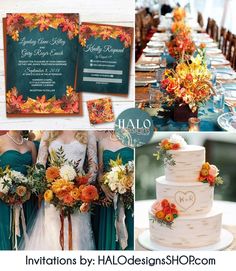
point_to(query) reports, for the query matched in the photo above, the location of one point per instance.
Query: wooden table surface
(103, 11)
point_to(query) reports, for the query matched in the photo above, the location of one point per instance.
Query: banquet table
(208, 118)
(142, 223)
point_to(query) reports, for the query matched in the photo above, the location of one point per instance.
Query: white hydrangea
(67, 172)
(4, 189)
(178, 139)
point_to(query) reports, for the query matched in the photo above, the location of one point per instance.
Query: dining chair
(200, 19)
(222, 37)
(215, 31)
(209, 26)
(227, 42)
(232, 52)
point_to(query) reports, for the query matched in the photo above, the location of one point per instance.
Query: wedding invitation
(104, 58)
(41, 52)
(50, 60)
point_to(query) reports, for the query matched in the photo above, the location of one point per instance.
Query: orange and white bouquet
(15, 188)
(68, 188)
(120, 179)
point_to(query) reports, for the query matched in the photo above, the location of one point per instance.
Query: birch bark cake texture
(183, 216)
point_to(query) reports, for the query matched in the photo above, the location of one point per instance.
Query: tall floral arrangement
(179, 14)
(181, 46)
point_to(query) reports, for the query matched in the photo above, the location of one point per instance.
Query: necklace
(112, 138)
(15, 141)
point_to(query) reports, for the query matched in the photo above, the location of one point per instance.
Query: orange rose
(165, 203)
(68, 199)
(175, 146)
(21, 190)
(82, 179)
(52, 173)
(89, 193)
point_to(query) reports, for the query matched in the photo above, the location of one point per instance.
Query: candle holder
(194, 124)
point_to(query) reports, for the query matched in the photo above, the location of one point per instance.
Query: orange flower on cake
(210, 174)
(164, 212)
(175, 142)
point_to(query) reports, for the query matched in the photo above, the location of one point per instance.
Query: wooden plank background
(117, 12)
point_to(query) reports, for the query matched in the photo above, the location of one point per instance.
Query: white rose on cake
(68, 173)
(177, 139)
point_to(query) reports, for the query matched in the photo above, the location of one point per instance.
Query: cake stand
(226, 238)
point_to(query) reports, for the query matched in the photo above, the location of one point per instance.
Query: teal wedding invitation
(41, 59)
(104, 55)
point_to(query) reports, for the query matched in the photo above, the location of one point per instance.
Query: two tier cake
(183, 216)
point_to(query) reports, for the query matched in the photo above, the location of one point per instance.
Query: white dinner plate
(146, 67)
(227, 122)
(225, 75)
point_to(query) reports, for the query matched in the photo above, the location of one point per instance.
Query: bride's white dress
(45, 235)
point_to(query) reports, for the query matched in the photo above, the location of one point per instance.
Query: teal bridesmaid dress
(19, 162)
(106, 232)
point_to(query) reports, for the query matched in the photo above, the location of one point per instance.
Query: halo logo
(134, 127)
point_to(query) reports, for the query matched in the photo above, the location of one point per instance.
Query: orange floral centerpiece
(179, 14)
(210, 174)
(164, 212)
(188, 87)
(175, 142)
(68, 189)
(181, 46)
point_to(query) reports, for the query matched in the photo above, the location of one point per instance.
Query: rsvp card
(41, 58)
(104, 54)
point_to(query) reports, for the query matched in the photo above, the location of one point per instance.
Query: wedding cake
(183, 216)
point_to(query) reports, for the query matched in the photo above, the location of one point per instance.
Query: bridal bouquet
(67, 188)
(15, 188)
(120, 179)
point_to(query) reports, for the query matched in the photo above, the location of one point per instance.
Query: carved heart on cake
(185, 199)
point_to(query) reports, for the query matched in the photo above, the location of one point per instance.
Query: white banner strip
(103, 80)
(118, 260)
(119, 72)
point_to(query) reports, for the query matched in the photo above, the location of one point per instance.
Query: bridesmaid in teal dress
(110, 148)
(18, 154)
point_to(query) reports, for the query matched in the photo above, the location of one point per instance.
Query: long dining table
(150, 64)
